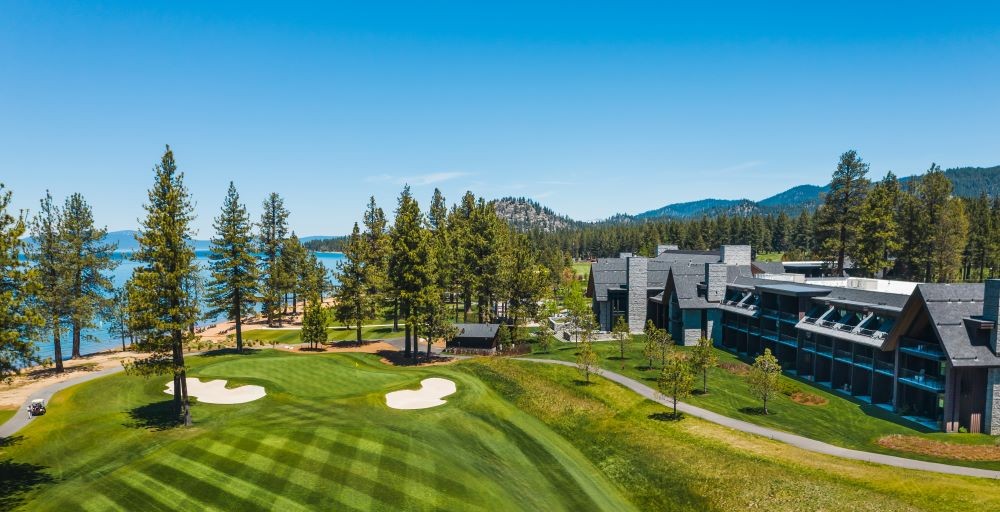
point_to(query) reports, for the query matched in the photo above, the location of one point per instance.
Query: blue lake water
(100, 339)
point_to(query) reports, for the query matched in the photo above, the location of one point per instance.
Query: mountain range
(526, 214)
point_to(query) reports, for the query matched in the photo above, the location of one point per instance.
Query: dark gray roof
(828, 294)
(787, 288)
(477, 330)
(770, 267)
(611, 273)
(948, 306)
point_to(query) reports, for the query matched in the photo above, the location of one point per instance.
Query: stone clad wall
(993, 402)
(991, 309)
(715, 281)
(736, 254)
(637, 299)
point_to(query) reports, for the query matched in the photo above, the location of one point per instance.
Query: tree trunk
(406, 340)
(239, 334)
(57, 348)
(180, 380)
(295, 303)
(76, 338)
(123, 342)
(395, 316)
(467, 303)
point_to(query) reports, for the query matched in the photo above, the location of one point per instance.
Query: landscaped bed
(943, 449)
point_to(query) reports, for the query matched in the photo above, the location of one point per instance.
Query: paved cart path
(804, 443)
(20, 418)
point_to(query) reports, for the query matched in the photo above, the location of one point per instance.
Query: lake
(101, 339)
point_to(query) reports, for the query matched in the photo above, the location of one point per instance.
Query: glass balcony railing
(809, 346)
(864, 361)
(824, 349)
(844, 355)
(926, 351)
(887, 367)
(922, 380)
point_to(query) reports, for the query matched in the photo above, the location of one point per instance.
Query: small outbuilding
(482, 336)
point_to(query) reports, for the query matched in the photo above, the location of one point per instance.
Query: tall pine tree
(18, 319)
(273, 230)
(161, 309)
(877, 240)
(232, 290)
(51, 272)
(837, 219)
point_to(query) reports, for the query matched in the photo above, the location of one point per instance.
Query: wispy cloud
(543, 195)
(419, 180)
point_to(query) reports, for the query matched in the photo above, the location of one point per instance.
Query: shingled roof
(951, 308)
(612, 273)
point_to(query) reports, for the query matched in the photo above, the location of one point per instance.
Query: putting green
(322, 438)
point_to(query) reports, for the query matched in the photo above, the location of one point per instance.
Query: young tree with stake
(676, 379)
(702, 359)
(763, 378)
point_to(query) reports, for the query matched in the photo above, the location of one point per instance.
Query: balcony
(863, 361)
(769, 334)
(809, 346)
(932, 352)
(810, 320)
(824, 350)
(922, 380)
(885, 367)
(843, 355)
(791, 318)
(787, 340)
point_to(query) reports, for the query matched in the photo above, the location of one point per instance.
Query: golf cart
(36, 407)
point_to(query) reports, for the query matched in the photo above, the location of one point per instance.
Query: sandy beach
(15, 393)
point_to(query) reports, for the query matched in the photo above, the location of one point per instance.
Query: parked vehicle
(36, 407)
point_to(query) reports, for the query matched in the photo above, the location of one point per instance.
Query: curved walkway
(797, 441)
(20, 418)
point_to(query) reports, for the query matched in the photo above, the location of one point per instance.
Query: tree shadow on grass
(617, 358)
(10, 441)
(756, 411)
(666, 416)
(156, 416)
(699, 392)
(18, 478)
(581, 382)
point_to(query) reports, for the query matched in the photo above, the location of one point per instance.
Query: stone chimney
(735, 254)
(715, 281)
(991, 310)
(637, 270)
(662, 248)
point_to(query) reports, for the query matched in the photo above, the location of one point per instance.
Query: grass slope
(322, 439)
(696, 465)
(840, 421)
(6, 414)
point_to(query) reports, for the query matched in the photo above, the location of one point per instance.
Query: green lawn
(322, 439)
(581, 268)
(841, 421)
(769, 256)
(6, 414)
(516, 436)
(290, 336)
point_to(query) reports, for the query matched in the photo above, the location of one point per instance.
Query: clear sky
(589, 109)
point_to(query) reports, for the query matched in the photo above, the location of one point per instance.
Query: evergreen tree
(294, 267)
(463, 251)
(781, 234)
(376, 262)
(233, 287)
(88, 258)
(273, 231)
(490, 257)
(314, 322)
(117, 315)
(914, 233)
(406, 261)
(53, 275)
(949, 238)
(160, 305)
(18, 319)
(980, 247)
(837, 219)
(527, 285)
(877, 240)
(355, 298)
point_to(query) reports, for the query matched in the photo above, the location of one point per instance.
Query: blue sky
(565, 103)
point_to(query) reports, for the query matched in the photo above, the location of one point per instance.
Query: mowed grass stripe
(366, 465)
(141, 492)
(216, 486)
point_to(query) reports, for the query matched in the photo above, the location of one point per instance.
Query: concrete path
(20, 418)
(797, 441)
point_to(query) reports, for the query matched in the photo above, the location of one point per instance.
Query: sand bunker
(215, 392)
(429, 395)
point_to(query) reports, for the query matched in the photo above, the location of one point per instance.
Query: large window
(619, 306)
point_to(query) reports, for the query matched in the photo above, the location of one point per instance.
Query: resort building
(926, 352)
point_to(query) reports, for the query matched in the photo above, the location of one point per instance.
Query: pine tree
(356, 301)
(117, 315)
(838, 217)
(877, 240)
(314, 322)
(949, 238)
(979, 249)
(376, 251)
(914, 233)
(408, 255)
(88, 258)
(161, 309)
(527, 285)
(271, 239)
(294, 268)
(462, 243)
(53, 275)
(18, 319)
(703, 358)
(233, 286)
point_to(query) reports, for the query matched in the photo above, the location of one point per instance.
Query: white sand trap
(215, 392)
(429, 395)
